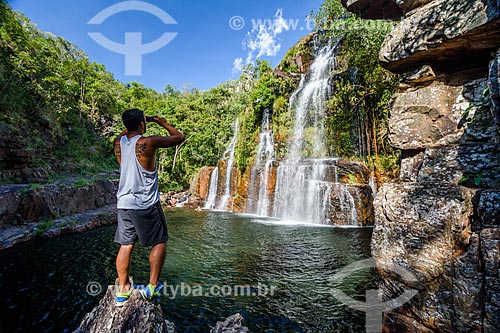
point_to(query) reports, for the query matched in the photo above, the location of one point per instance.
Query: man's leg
(156, 261)
(123, 266)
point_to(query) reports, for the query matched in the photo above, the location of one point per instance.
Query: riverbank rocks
(441, 222)
(141, 316)
(28, 203)
(67, 205)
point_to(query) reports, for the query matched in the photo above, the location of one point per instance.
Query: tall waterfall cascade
(308, 186)
(302, 193)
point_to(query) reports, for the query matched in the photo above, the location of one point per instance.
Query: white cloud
(237, 65)
(264, 43)
(262, 40)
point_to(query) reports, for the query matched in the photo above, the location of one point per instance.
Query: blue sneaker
(122, 298)
(150, 291)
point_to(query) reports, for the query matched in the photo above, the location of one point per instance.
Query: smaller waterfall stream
(212, 189)
(229, 154)
(259, 202)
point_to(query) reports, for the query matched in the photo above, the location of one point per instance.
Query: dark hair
(132, 119)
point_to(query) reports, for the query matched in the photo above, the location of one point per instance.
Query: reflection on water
(44, 282)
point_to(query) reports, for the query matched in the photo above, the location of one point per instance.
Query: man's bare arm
(175, 138)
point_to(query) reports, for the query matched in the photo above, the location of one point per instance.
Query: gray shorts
(146, 225)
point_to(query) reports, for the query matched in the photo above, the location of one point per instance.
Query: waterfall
(303, 191)
(265, 150)
(212, 189)
(229, 155)
(265, 156)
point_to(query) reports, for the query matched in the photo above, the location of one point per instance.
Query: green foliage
(65, 110)
(53, 100)
(472, 180)
(268, 93)
(83, 182)
(301, 48)
(43, 226)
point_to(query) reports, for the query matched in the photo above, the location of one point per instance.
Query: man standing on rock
(140, 216)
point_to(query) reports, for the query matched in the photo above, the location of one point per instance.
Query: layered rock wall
(441, 222)
(20, 204)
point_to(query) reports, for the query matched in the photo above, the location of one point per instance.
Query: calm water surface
(44, 282)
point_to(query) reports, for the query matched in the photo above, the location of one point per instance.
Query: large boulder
(428, 229)
(448, 34)
(425, 117)
(137, 315)
(439, 114)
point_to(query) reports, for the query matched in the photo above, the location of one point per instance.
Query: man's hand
(174, 139)
(160, 121)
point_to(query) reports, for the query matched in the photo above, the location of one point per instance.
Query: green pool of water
(44, 282)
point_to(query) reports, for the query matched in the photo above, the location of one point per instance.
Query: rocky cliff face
(442, 221)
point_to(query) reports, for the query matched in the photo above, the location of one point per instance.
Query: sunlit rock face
(447, 34)
(441, 222)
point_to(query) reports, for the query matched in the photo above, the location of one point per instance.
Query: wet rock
(234, 176)
(351, 204)
(232, 324)
(446, 34)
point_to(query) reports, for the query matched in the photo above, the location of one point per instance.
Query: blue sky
(213, 38)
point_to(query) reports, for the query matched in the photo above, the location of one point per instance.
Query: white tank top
(138, 187)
